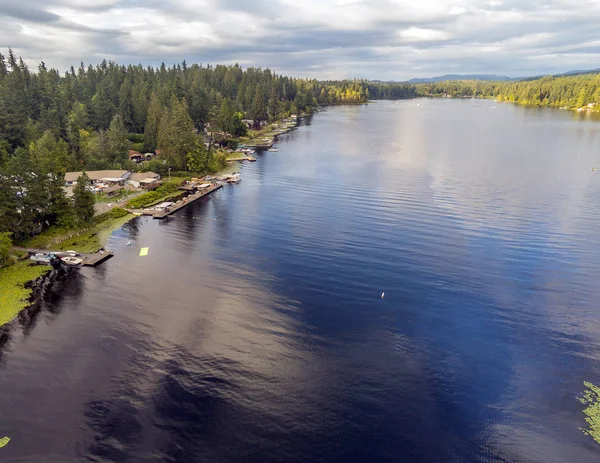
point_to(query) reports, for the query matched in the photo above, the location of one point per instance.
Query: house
(135, 156)
(112, 190)
(99, 176)
(143, 179)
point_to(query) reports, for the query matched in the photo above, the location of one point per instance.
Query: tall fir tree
(83, 200)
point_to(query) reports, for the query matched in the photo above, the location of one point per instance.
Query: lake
(255, 329)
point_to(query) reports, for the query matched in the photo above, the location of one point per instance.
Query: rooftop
(95, 175)
(139, 176)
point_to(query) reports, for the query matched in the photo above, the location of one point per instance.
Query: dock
(166, 209)
(89, 260)
(242, 159)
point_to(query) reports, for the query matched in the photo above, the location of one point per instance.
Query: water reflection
(254, 330)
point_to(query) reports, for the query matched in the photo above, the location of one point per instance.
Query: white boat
(72, 261)
(235, 178)
(42, 258)
(273, 150)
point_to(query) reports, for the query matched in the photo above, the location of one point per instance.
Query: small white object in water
(382, 295)
(128, 243)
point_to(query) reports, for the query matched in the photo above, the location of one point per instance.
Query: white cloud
(416, 34)
(391, 39)
(457, 11)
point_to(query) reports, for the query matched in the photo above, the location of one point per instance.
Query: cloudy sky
(375, 39)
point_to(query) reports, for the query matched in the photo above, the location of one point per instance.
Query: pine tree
(153, 121)
(198, 158)
(176, 136)
(259, 110)
(118, 143)
(83, 200)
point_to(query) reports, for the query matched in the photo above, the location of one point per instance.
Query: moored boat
(43, 258)
(72, 261)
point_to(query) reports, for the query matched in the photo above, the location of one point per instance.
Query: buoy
(382, 295)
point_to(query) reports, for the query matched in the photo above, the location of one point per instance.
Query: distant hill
(496, 78)
(577, 72)
(429, 80)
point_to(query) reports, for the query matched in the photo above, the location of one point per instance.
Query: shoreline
(25, 293)
(582, 109)
(32, 291)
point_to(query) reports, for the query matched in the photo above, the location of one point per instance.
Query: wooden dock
(186, 201)
(89, 260)
(242, 159)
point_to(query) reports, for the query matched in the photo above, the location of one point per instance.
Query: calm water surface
(255, 330)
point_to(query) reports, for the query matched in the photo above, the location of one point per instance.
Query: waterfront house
(144, 180)
(135, 156)
(112, 190)
(113, 177)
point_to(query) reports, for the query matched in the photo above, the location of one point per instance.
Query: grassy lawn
(88, 240)
(14, 295)
(236, 156)
(94, 238)
(162, 193)
(116, 198)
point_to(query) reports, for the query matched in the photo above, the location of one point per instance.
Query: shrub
(136, 138)
(115, 213)
(153, 196)
(5, 245)
(139, 147)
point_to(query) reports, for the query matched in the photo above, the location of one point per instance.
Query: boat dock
(242, 159)
(165, 209)
(89, 260)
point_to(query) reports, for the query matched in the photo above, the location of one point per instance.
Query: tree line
(568, 92)
(90, 116)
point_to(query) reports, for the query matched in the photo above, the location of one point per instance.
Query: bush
(5, 245)
(151, 197)
(136, 138)
(139, 147)
(157, 165)
(217, 162)
(115, 213)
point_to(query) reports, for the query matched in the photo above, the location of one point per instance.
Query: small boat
(42, 258)
(72, 261)
(251, 159)
(235, 178)
(273, 150)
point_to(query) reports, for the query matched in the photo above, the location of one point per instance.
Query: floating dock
(91, 260)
